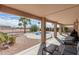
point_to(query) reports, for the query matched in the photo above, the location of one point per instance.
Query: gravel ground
(22, 43)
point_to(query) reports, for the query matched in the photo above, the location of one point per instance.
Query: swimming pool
(37, 35)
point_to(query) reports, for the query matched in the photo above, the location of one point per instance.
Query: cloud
(13, 20)
(12, 23)
(8, 20)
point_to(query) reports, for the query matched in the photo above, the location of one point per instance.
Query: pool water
(39, 33)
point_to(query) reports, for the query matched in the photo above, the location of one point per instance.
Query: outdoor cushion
(69, 40)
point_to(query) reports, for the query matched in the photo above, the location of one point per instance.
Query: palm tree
(23, 21)
(20, 24)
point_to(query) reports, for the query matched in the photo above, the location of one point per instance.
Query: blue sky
(13, 20)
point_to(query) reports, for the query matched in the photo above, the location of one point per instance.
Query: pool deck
(32, 35)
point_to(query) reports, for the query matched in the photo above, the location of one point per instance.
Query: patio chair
(69, 41)
(50, 49)
(67, 47)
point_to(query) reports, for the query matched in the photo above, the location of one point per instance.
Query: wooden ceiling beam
(10, 10)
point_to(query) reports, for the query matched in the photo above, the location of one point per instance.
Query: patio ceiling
(65, 14)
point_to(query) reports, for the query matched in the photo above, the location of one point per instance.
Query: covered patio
(63, 15)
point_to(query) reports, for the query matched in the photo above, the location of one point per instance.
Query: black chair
(50, 49)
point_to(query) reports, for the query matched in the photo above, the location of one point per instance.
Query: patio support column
(55, 29)
(76, 25)
(63, 29)
(43, 37)
(43, 30)
(60, 29)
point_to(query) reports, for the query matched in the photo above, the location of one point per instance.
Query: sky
(13, 20)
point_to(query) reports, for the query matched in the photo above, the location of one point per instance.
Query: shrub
(34, 28)
(66, 29)
(6, 39)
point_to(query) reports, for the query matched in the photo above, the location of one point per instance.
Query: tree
(34, 28)
(66, 29)
(23, 21)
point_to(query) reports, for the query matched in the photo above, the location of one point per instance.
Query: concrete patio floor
(34, 50)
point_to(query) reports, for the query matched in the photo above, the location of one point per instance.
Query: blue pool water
(39, 33)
